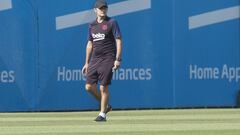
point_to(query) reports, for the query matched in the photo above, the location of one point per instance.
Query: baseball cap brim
(100, 4)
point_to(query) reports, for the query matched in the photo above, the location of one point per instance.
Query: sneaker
(109, 108)
(100, 119)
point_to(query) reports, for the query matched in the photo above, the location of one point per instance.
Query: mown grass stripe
(197, 132)
(126, 117)
(101, 127)
(115, 122)
(130, 113)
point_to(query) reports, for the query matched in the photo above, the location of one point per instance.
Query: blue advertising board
(175, 54)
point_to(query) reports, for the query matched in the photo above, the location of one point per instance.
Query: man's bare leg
(105, 97)
(92, 88)
(102, 97)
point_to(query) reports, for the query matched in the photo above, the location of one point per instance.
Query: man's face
(101, 12)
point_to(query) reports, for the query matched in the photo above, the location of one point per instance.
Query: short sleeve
(116, 30)
(89, 34)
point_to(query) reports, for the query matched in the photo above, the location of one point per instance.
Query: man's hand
(116, 65)
(85, 69)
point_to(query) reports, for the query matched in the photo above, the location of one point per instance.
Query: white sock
(102, 114)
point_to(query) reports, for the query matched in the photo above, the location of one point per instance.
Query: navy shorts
(100, 70)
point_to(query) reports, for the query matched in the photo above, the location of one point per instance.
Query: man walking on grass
(103, 56)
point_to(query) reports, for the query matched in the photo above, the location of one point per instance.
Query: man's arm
(119, 49)
(118, 54)
(88, 56)
(88, 51)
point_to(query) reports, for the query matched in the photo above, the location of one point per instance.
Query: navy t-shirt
(103, 36)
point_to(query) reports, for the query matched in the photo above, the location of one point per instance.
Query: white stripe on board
(74, 19)
(83, 17)
(5, 4)
(214, 17)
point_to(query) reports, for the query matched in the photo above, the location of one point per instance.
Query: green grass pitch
(137, 122)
